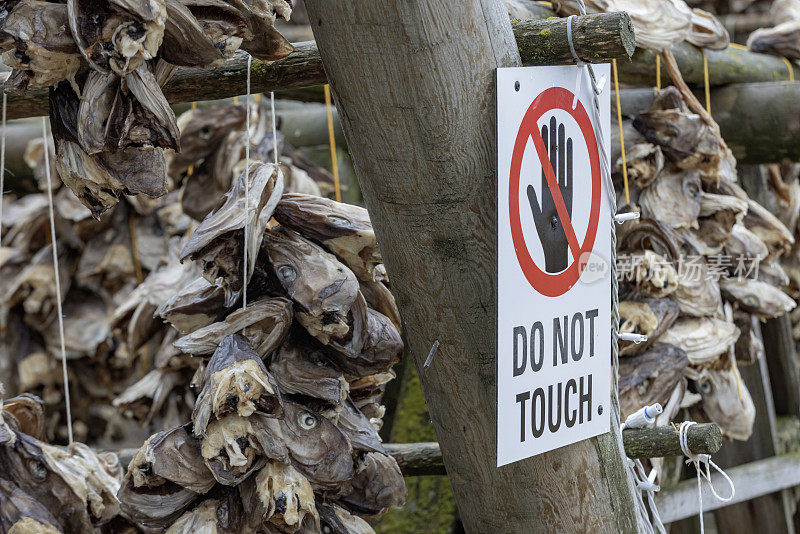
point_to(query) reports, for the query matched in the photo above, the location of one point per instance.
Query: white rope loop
(57, 276)
(700, 461)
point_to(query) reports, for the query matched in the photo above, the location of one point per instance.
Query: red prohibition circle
(552, 285)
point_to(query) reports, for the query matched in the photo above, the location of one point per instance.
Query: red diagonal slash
(555, 191)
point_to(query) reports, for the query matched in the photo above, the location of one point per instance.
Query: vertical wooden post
(414, 83)
(770, 513)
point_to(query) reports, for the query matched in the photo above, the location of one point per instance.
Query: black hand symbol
(548, 224)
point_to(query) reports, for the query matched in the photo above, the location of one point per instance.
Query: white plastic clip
(643, 417)
(636, 338)
(620, 218)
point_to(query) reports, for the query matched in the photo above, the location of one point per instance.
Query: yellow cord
(658, 72)
(548, 4)
(235, 99)
(705, 80)
(789, 66)
(332, 138)
(621, 134)
(737, 46)
(257, 97)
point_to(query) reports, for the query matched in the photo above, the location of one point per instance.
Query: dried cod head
(264, 323)
(117, 35)
(299, 367)
(280, 495)
(36, 45)
(378, 485)
(704, 339)
(645, 163)
(219, 240)
(20, 512)
(344, 229)
(198, 304)
(759, 298)
(726, 400)
(718, 215)
(317, 447)
(322, 288)
(201, 33)
(337, 520)
(651, 317)
(75, 481)
(235, 381)
(234, 447)
(650, 377)
(673, 198)
(651, 275)
(172, 455)
(781, 40)
(768, 228)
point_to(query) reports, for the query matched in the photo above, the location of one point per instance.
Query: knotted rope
(700, 460)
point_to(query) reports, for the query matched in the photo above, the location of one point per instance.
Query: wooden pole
(543, 42)
(414, 83)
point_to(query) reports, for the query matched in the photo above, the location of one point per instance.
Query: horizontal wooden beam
(663, 441)
(732, 65)
(751, 480)
(596, 38)
(416, 459)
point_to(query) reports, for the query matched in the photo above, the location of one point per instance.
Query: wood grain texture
(769, 511)
(597, 38)
(784, 374)
(417, 459)
(663, 441)
(414, 83)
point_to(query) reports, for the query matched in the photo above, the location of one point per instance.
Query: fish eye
(287, 273)
(335, 220)
(205, 132)
(307, 420)
(705, 387)
(37, 469)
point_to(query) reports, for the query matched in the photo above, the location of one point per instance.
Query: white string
(246, 187)
(3, 162)
(700, 460)
(57, 276)
(274, 127)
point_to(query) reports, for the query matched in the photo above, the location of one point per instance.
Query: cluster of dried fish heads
(284, 431)
(703, 260)
(106, 61)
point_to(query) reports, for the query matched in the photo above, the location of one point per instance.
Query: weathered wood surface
(760, 122)
(769, 512)
(543, 42)
(414, 83)
(597, 38)
(663, 441)
(417, 459)
(784, 374)
(752, 480)
(731, 65)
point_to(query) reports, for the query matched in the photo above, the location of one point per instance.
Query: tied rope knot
(700, 461)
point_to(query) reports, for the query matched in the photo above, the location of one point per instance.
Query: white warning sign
(554, 245)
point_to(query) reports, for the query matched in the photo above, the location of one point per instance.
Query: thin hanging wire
(274, 127)
(57, 277)
(246, 188)
(3, 162)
